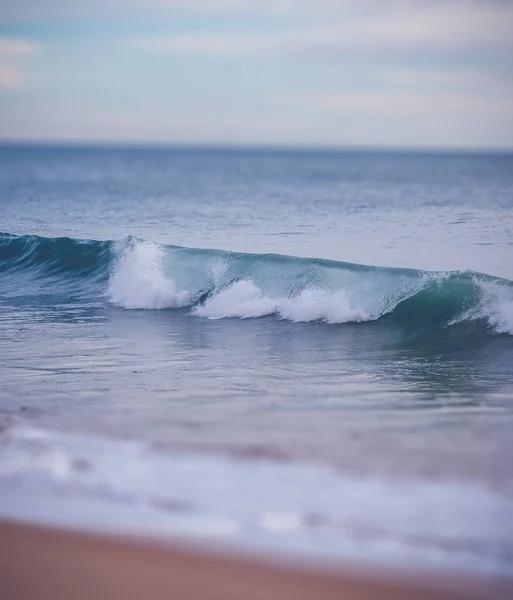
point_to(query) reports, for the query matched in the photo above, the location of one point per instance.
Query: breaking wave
(137, 274)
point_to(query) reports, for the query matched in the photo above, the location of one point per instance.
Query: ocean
(294, 353)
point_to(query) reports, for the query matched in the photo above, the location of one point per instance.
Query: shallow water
(333, 384)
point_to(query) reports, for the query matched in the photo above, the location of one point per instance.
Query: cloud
(432, 27)
(44, 9)
(286, 126)
(484, 81)
(349, 76)
(433, 78)
(10, 77)
(414, 105)
(14, 51)
(10, 46)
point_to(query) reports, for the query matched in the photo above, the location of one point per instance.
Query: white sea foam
(138, 279)
(495, 306)
(502, 317)
(308, 509)
(498, 308)
(245, 300)
(319, 305)
(242, 299)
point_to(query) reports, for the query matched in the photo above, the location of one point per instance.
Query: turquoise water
(226, 316)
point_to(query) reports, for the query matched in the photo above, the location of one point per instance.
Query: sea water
(301, 352)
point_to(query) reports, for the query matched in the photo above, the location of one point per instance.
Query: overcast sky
(394, 73)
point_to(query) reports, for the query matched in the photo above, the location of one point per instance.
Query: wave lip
(215, 284)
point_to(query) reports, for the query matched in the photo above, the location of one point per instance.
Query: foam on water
(301, 508)
(497, 307)
(502, 318)
(138, 279)
(245, 300)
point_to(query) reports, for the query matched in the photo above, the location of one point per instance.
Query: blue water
(347, 313)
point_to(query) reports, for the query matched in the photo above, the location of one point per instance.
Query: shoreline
(53, 564)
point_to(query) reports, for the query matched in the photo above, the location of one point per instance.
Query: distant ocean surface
(301, 352)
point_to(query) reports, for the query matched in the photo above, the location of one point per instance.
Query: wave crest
(137, 274)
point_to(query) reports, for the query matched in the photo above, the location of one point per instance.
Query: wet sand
(49, 564)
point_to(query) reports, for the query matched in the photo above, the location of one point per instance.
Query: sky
(321, 73)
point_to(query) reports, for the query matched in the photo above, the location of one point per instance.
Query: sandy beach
(50, 564)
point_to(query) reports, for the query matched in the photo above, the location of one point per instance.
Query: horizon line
(249, 147)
